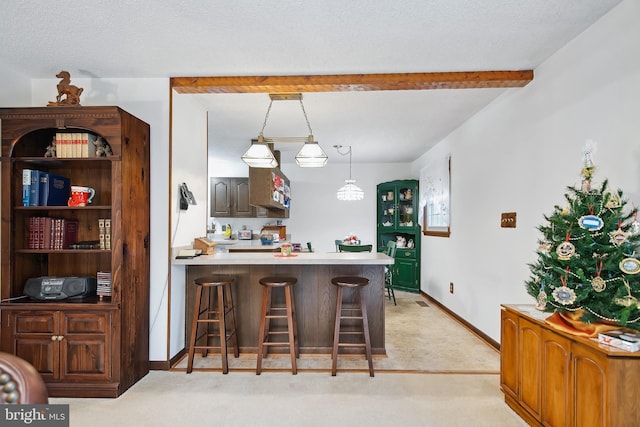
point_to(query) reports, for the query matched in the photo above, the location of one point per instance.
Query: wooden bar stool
(210, 314)
(357, 312)
(270, 311)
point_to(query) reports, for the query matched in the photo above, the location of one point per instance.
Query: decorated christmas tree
(587, 263)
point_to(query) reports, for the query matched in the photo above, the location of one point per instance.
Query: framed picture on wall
(437, 208)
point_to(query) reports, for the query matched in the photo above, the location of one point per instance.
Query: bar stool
(210, 314)
(270, 311)
(351, 313)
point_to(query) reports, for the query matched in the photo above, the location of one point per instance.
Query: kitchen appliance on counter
(245, 234)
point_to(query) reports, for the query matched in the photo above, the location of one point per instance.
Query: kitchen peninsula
(315, 296)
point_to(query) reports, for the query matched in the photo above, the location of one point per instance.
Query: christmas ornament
(598, 284)
(591, 222)
(544, 247)
(541, 300)
(565, 250)
(564, 295)
(627, 300)
(618, 237)
(630, 266)
(635, 225)
(613, 202)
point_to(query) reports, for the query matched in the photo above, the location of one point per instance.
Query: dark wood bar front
(315, 296)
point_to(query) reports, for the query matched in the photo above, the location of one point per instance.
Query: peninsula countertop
(296, 258)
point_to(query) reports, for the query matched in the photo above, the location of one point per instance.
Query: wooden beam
(352, 82)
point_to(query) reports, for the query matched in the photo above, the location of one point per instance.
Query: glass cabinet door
(387, 215)
(405, 207)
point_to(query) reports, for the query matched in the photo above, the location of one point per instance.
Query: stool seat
(275, 281)
(214, 311)
(271, 311)
(350, 313)
(350, 281)
(214, 280)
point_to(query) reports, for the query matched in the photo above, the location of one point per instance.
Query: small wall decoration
(70, 92)
(437, 214)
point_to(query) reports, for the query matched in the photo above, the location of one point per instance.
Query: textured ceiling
(145, 38)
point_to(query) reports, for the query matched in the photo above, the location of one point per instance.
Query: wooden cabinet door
(220, 198)
(589, 388)
(405, 276)
(85, 351)
(240, 198)
(556, 379)
(509, 368)
(32, 336)
(530, 346)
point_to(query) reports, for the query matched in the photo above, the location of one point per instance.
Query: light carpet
(436, 373)
(419, 338)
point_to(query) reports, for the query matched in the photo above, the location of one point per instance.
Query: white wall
(188, 165)
(16, 89)
(521, 152)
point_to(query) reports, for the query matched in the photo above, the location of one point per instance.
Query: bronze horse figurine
(71, 92)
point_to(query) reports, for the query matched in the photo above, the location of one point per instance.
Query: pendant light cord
(266, 117)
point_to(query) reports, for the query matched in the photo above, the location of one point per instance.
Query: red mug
(80, 196)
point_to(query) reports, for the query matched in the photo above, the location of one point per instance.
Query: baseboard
(165, 365)
(484, 337)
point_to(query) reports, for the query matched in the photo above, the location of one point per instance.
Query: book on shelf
(620, 338)
(107, 233)
(103, 279)
(55, 190)
(51, 233)
(75, 144)
(30, 187)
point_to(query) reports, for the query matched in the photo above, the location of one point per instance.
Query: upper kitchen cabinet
(229, 197)
(270, 189)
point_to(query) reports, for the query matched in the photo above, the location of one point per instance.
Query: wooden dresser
(552, 378)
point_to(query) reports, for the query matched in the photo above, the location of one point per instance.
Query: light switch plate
(508, 220)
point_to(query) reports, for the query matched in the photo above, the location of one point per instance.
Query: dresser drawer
(405, 253)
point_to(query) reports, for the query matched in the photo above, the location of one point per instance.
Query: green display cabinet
(397, 220)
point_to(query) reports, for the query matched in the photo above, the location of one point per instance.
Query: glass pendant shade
(259, 155)
(350, 191)
(311, 155)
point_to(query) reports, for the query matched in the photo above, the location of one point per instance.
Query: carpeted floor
(437, 374)
(416, 341)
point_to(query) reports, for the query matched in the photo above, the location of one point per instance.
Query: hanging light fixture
(310, 155)
(349, 191)
(259, 155)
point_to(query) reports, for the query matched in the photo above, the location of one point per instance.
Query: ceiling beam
(352, 82)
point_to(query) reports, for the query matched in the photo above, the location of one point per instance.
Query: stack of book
(103, 283)
(75, 144)
(52, 233)
(41, 188)
(104, 228)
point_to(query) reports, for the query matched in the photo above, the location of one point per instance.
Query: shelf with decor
(90, 345)
(397, 220)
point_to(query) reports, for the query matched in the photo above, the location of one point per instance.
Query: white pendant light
(311, 155)
(350, 191)
(259, 155)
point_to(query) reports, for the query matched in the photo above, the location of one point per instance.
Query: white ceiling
(171, 38)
